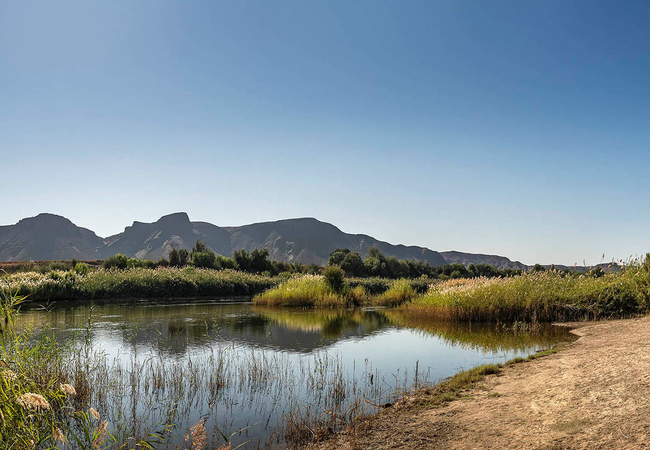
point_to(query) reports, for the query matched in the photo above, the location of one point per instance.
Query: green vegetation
(376, 264)
(334, 279)
(332, 290)
(135, 283)
(453, 388)
(535, 296)
(304, 291)
(399, 292)
(538, 296)
(40, 407)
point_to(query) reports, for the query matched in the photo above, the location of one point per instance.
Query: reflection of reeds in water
(329, 322)
(294, 399)
(481, 336)
(285, 397)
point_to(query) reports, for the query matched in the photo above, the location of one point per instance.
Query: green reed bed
(316, 291)
(399, 292)
(137, 282)
(305, 291)
(537, 296)
(376, 285)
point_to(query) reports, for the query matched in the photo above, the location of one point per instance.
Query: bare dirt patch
(593, 394)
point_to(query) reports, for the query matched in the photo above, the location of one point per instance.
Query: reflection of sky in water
(362, 341)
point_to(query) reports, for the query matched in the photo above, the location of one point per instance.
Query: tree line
(202, 257)
(375, 264)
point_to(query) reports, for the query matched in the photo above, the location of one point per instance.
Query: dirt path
(593, 394)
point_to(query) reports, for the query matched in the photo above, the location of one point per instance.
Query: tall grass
(536, 296)
(399, 292)
(303, 291)
(43, 396)
(310, 291)
(135, 283)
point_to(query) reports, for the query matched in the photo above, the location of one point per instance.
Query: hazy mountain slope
(154, 240)
(307, 240)
(311, 241)
(466, 259)
(216, 238)
(48, 236)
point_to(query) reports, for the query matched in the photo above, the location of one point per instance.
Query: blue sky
(514, 128)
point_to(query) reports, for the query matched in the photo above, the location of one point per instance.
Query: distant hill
(48, 236)
(154, 240)
(311, 241)
(307, 240)
(500, 262)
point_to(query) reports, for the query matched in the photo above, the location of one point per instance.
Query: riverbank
(595, 393)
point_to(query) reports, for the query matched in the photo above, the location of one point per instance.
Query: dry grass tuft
(197, 438)
(33, 402)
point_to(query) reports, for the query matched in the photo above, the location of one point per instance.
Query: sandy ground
(595, 394)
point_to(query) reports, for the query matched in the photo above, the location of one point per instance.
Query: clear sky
(518, 128)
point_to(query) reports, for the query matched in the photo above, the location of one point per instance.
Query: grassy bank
(135, 283)
(543, 296)
(537, 297)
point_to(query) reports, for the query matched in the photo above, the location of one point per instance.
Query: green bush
(335, 279)
(118, 261)
(58, 265)
(205, 259)
(81, 268)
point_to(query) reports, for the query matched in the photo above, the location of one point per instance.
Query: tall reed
(43, 397)
(135, 283)
(536, 296)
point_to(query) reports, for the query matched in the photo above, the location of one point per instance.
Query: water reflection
(176, 328)
(248, 364)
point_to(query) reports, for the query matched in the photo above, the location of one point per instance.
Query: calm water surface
(250, 371)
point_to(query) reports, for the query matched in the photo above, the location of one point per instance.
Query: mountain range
(306, 240)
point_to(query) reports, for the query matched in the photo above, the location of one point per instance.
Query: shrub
(135, 283)
(81, 268)
(223, 262)
(335, 279)
(204, 259)
(118, 261)
(58, 265)
(399, 292)
(178, 258)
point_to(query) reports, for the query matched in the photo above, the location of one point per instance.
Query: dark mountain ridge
(48, 236)
(306, 240)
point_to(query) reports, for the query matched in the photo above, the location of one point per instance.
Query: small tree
(178, 258)
(353, 264)
(199, 247)
(205, 260)
(173, 258)
(242, 259)
(260, 261)
(337, 256)
(183, 257)
(375, 263)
